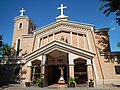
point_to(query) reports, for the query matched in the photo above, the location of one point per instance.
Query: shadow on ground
(4, 85)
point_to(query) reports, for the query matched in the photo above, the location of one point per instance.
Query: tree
(112, 6)
(118, 44)
(1, 42)
(5, 50)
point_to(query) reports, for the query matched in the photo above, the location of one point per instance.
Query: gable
(65, 26)
(59, 45)
(76, 34)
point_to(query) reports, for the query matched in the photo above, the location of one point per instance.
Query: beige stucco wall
(27, 44)
(77, 39)
(74, 37)
(81, 41)
(82, 38)
(66, 35)
(24, 34)
(18, 32)
(109, 68)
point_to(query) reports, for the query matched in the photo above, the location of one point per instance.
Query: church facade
(61, 50)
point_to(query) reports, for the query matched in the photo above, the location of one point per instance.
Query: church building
(58, 51)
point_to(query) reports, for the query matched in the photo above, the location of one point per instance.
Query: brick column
(71, 70)
(29, 71)
(43, 65)
(89, 70)
(71, 65)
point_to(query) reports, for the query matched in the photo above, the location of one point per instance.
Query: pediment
(61, 46)
(65, 26)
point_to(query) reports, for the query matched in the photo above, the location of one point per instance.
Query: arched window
(18, 47)
(20, 25)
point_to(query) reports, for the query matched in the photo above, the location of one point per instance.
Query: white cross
(22, 11)
(61, 8)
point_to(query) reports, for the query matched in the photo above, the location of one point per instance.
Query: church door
(80, 70)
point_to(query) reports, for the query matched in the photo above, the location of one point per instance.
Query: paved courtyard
(22, 87)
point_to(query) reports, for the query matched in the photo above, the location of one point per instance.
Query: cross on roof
(22, 12)
(62, 8)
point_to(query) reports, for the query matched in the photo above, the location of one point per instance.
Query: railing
(12, 60)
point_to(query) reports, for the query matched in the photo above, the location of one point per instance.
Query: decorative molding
(55, 45)
(27, 35)
(59, 30)
(65, 24)
(24, 17)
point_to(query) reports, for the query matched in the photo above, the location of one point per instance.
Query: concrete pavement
(22, 87)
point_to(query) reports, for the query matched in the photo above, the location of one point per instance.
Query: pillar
(53, 36)
(84, 41)
(33, 76)
(47, 39)
(77, 39)
(71, 71)
(89, 70)
(71, 65)
(43, 70)
(38, 44)
(71, 38)
(41, 43)
(29, 71)
(43, 65)
(88, 41)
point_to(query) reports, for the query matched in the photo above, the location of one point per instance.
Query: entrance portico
(58, 61)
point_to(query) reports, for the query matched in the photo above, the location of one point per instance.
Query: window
(18, 47)
(117, 69)
(20, 25)
(40, 42)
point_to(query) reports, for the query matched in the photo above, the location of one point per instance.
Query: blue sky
(44, 12)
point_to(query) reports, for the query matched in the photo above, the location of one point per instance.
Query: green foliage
(1, 42)
(5, 50)
(39, 80)
(111, 6)
(118, 44)
(72, 79)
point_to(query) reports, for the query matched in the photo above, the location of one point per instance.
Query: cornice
(102, 29)
(27, 35)
(24, 17)
(69, 24)
(61, 29)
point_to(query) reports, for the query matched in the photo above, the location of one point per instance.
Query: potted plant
(91, 83)
(27, 84)
(72, 82)
(40, 81)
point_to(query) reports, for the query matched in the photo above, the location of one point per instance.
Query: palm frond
(105, 5)
(107, 11)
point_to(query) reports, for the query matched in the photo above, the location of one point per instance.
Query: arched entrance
(57, 67)
(80, 70)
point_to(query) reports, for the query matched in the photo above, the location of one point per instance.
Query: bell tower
(23, 25)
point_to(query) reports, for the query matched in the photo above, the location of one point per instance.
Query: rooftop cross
(22, 11)
(61, 8)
